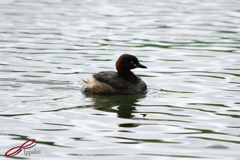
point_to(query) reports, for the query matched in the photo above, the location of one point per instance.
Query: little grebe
(123, 82)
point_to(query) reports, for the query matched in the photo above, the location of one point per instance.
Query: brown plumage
(122, 82)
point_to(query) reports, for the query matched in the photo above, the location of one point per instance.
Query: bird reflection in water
(123, 105)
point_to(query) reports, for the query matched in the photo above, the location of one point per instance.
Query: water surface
(191, 108)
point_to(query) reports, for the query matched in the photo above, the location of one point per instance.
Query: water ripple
(191, 107)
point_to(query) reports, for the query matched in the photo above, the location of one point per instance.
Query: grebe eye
(134, 64)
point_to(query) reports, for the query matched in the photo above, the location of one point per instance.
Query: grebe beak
(139, 65)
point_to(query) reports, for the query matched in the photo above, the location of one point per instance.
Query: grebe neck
(128, 75)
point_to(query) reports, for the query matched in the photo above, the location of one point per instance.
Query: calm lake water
(192, 106)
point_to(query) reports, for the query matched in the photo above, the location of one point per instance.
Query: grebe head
(128, 62)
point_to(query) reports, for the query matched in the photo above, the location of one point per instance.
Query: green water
(192, 106)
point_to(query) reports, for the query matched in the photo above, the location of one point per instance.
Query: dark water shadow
(123, 105)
